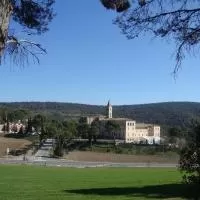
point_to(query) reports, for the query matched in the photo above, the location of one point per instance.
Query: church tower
(109, 110)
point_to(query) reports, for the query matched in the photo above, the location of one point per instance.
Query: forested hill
(170, 113)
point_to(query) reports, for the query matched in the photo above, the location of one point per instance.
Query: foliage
(176, 20)
(190, 158)
(118, 5)
(94, 131)
(51, 129)
(160, 151)
(13, 115)
(61, 132)
(59, 136)
(38, 122)
(83, 128)
(112, 128)
(174, 134)
(29, 125)
(70, 127)
(169, 114)
(33, 17)
(18, 114)
(58, 149)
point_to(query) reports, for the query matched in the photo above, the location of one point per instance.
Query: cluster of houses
(12, 127)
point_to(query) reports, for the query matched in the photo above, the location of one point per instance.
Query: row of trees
(93, 130)
(64, 131)
(13, 115)
(166, 114)
(50, 125)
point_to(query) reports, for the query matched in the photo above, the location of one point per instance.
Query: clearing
(12, 143)
(113, 157)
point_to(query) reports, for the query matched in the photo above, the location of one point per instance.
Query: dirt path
(122, 158)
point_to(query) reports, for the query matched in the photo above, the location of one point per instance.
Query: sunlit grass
(47, 183)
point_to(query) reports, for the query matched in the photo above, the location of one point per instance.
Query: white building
(129, 131)
(14, 127)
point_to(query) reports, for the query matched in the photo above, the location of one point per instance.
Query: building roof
(117, 119)
(142, 125)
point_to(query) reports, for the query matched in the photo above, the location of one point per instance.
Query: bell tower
(109, 110)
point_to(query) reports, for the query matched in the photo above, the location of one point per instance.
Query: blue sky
(90, 61)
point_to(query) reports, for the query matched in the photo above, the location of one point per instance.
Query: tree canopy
(33, 16)
(177, 20)
(118, 5)
(189, 162)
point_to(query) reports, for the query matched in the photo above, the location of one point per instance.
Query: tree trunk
(90, 140)
(114, 139)
(5, 13)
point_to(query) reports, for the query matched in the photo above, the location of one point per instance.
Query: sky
(90, 61)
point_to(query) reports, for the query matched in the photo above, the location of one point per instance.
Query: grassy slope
(22, 182)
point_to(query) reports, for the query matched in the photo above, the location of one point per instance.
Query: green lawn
(46, 183)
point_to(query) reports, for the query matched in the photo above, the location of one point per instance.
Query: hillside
(169, 113)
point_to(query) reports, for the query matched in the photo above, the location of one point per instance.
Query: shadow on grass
(153, 191)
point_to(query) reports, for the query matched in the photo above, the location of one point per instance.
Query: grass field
(46, 183)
